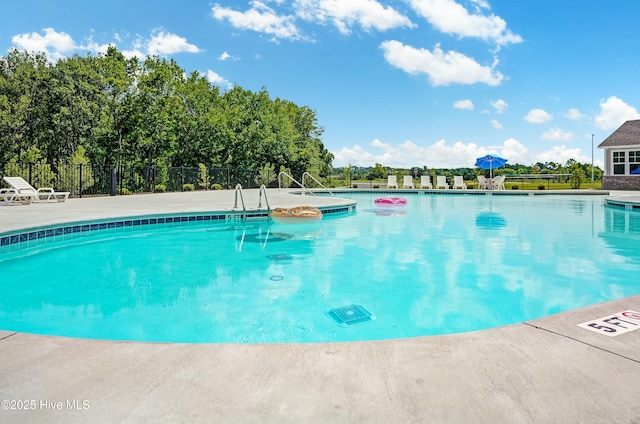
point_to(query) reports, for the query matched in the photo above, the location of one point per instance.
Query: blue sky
(403, 83)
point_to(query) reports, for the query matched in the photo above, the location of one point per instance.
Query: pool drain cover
(349, 315)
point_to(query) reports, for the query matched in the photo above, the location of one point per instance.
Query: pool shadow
(389, 211)
(490, 221)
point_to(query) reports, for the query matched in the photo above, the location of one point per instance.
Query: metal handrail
(263, 189)
(314, 179)
(292, 179)
(235, 206)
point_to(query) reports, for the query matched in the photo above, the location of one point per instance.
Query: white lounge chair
(9, 196)
(498, 182)
(425, 182)
(407, 182)
(458, 182)
(441, 181)
(483, 184)
(392, 182)
(28, 193)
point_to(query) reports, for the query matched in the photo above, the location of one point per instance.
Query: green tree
(23, 111)
(146, 114)
(577, 173)
(379, 171)
(114, 122)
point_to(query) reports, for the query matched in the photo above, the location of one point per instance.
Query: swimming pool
(439, 264)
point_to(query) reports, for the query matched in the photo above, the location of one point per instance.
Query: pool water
(440, 264)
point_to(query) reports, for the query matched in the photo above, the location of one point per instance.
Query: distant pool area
(441, 264)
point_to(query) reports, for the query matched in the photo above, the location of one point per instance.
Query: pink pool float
(391, 201)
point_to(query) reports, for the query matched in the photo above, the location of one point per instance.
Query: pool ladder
(262, 192)
(301, 185)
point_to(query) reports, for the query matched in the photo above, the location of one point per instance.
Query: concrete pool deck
(547, 370)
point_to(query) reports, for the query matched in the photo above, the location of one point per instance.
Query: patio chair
(391, 181)
(407, 182)
(441, 181)
(425, 182)
(498, 182)
(458, 182)
(483, 184)
(29, 194)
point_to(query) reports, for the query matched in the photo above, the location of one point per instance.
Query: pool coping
(545, 370)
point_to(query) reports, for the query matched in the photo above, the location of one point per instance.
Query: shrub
(203, 180)
(124, 191)
(188, 187)
(216, 187)
(161, 188)
(577, 177)
(540, 186)
(514, 187)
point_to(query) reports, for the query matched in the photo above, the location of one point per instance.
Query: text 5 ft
(611, 323)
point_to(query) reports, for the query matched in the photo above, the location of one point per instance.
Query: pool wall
(32, 237)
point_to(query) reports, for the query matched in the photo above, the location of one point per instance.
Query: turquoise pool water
(441, 264)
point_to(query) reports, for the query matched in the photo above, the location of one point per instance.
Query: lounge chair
(458, 182)
(441, 181)
(498, 182)
(9, 196)
(483, 184)
(391, 182)
(407, 182)
(28, 193)
(425, 182)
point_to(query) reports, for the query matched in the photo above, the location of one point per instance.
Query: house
(622, 158)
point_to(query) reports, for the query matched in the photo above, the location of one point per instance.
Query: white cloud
(480, 4)
(136, 50)
(54, 44)
(495, 124)
(537, 116)
(368, 14)
(574, 114)
(561, 154)
(614, 112)
(499, 105)
(463, 104)
(226, 56)
(94, 47)
(437, 155)
(214, 78)
(452, 18)
(57, 45)
(457, 155)
(442, 68)
(260, 18)
(556, 134)
(162, 43)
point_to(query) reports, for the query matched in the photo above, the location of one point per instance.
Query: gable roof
(627, 135)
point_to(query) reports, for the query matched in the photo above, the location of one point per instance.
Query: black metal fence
(88, 180)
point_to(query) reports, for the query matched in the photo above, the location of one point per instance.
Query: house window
(618, 163)
(634, 162)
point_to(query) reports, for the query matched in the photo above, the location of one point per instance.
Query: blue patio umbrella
(490, 162)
